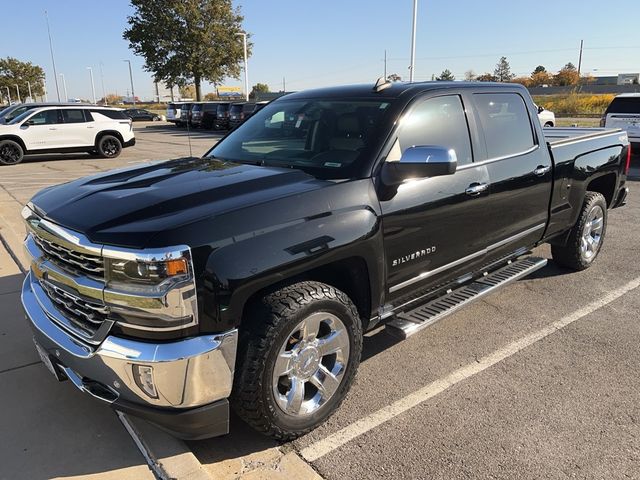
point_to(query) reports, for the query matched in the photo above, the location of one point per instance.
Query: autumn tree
(210, 96)
(187, 91)
(187, 41)
(526, 81)
(470, 76)
(502, 72)
(486, 77)
(446, 76)
(14, 72)
(567, 76)
(541, 77)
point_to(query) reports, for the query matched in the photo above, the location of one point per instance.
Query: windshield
(324, 137)
(235, 109)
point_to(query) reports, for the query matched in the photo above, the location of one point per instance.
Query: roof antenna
(381, 84)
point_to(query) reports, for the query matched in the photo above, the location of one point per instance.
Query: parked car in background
(209, 114)
(195, 120)
(239, 112)
(222, 116)
(547, 117)
(185, 114)
(17, 109)
(173, 112)
(624, 112)
(61, 129)
(140, 115)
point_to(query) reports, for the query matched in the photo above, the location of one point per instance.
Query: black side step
(407, 323)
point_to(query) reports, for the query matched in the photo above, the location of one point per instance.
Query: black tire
(11, 153)
(548, 124)
(575, 254)
(269, 327)
(109, 146)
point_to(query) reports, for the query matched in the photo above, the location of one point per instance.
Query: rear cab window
(505, 122)
(625, 105)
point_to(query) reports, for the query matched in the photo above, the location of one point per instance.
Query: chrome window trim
(498, 159)
(484, 251)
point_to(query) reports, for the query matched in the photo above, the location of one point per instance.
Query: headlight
(151, 289)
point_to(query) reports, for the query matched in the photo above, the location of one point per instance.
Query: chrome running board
(412, 321)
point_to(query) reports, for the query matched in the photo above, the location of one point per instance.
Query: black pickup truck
(247, 277)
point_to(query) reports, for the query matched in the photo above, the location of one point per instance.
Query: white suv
(62, 129)
(624, 113)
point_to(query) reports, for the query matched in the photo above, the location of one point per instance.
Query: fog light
(143, 376)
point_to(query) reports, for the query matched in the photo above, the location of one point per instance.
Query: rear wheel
(297, 359)
(11, 153)
(587, 236)
(109, 146)
(548, 124)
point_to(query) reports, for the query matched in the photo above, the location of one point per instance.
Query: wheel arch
(16, 139)
(605, 185)
(115, 133)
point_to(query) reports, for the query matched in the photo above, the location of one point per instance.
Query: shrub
(575, 103)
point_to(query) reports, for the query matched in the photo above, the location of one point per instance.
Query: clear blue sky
(328, 42)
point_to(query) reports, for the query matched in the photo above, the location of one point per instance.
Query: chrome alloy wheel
(592, 233)
(311, 364)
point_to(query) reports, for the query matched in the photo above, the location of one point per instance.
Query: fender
(326, 226)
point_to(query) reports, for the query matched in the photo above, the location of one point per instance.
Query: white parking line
(365, 424)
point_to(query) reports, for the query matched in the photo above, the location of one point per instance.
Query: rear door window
(505, 122)
(438, 121)
(73, 116)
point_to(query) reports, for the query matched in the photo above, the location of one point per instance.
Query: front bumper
(192, 377)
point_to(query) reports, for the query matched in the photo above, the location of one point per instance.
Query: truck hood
(128, 207)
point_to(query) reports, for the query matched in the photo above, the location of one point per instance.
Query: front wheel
(11, 152)
(109, 146)
(297, 359)
(586, 237)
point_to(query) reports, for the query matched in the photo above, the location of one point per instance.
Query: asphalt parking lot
(540, 380)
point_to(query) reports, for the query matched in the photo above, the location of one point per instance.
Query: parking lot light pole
(8, 96)
(246, 73)
(93, 88)
(29, 86)
(413, 42)
(64, 86)
(133, 93)
(18, 90)
(104, 93)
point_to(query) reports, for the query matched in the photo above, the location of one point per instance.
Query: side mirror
(420, 162)
(27, 124)
(540, 109)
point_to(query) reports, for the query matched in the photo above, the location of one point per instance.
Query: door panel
(42, 133)
(435, 227)
(519, 169)
(430, 225)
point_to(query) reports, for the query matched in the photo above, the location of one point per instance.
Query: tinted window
(197, 107)
(235, 109)
(47, 117)
(112, 114)
(248, 107)
(438, 121)
(223, 107)
(16, 112)
(73, 116)
(210, 107)
(505, 121)
(625, 105)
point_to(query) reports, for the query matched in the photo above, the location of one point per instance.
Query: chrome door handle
(541, 170)
(90, 126)
(476, 188)
(52, 128)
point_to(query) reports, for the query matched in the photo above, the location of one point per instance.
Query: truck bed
(558, 136)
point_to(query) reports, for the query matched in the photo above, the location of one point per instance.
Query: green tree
(538, 69)
(446, 76)
(187, 41)
(14, 72)
(259, 88)
(502, 72)
(394, 77)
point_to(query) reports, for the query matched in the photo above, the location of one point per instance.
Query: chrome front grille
(72, 261)
(87, 316)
